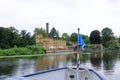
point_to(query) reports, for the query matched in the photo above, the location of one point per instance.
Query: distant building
(50, 43)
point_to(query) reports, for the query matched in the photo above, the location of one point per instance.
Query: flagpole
(78, 56)
(80, 43)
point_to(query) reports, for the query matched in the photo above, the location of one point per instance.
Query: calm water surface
(108, 64)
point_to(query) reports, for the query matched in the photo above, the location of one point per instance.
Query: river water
(107, 64)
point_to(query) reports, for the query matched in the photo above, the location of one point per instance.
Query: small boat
(65, 73)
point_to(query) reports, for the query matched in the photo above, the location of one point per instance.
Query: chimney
(47, 28)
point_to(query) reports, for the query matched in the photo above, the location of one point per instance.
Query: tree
(8, 37)
(85, 38)
(119, 40)
(54, 33)
(65, 37)
(2, 45)
(32, 40)
(95, 37)
(107, 35)
(25, 38)
(14, 36)
(111, 42)
(40, 31)
(73, 37)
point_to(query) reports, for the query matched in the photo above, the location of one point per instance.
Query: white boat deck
(62, 74)
(53, 75)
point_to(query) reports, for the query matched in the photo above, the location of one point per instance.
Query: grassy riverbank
(28, 50)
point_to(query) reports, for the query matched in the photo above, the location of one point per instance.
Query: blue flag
(81, 42)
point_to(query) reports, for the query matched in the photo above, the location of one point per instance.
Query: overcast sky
(64, 15)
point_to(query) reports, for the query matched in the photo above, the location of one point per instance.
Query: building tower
(47, 29)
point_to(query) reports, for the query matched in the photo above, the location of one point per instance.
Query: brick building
(50, 43)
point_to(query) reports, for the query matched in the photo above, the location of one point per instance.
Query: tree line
(11, 37)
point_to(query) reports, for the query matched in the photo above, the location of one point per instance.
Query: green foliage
(108, 39)
(66, 37)
(107, 35)
(36, 50)
(25, 38)
(93, 46)
(113, 47)
(28, 50)
(5, 38)
(54, 33)
(119, 40)
(73, 37)
(95, 37)
(40, 31)
(85, 38)
(10, 37)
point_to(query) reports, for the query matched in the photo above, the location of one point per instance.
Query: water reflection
(107, 63)
(6, 67)
(109, 60)
(16, 66)
(96, 59)
(54, 61)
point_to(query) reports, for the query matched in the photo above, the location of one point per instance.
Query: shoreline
(55, 52)
(52, 53)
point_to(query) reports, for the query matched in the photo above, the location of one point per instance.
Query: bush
(113, 47)
(36, 50)
(22, 51)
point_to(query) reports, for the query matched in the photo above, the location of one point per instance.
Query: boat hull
(64, 73)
